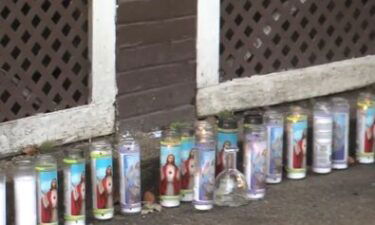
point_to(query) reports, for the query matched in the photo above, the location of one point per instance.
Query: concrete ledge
(262, 90)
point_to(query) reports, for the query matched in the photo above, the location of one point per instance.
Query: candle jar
(275, 132)
(227, 136)
(47, 189)
(187, 163)
(25, 193)
(255, 154)
(170, 162)
(296, 131)
(322, 125)
(102, 180)
(365, 128)
(230, 187)
(3, 204)
(340, 146)
(130, 173)
(74, 187)
(204, 179)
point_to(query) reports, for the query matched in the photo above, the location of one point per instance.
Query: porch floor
(342, 197)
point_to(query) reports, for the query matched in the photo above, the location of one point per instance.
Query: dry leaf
(149, 197)
(31, 150)
(351, 160)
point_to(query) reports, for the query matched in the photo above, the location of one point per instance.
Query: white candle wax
(2, 203)
(25, 200)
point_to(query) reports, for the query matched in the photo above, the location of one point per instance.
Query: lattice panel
(43, 56)
(264, 36)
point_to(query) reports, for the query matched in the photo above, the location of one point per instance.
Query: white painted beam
(208, 42)
(83, 122)
(262, 90)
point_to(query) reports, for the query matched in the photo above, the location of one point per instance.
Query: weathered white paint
(83, 122)
(208, 41)
(287, 86)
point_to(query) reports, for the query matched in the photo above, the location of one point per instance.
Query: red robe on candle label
(170, 178)
(188, 168)
(298, 153)
(369, 139)
(77, 198)
(104, 190)
(48, 205)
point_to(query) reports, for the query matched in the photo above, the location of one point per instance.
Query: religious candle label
(47, 195)
(322, 142)
(297, 147)
(255, 163)
(170, 182)
(225, 138)
(187, 165)
(340, 138)
(275, 151)
(205, 177)
(75, 190)
(131, 182)
(366, 131)
(101, 163)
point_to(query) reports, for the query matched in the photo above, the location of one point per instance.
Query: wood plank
(158, 76)
(149, 10)
(148, 101)
(256, 91)
(152, 55)
(156, 31)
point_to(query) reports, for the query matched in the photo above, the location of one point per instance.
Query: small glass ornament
(365, 128)
(25, 193)
(230, 187)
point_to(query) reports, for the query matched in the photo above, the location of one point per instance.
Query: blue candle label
(255, 154)
(102, 183)
(188, 165)
(131, 182)
(47, 195)
(366, 132)
(340, 137)
(225, 139)
(275, 151)
(297, 141)
(75, 189)
(170, 182)
(205, 178)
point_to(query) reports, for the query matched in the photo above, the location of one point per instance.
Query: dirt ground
(342, 197)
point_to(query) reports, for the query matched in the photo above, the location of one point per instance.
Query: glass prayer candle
(170, 162)
(47, 189)
(187, 164)
(365, 128)
(130, 173)
(102, 180)
(25, 193)
(74, 187)
(296, 131)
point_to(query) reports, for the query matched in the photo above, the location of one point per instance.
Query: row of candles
(36, 185)
(190, 160)
(189, 163)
